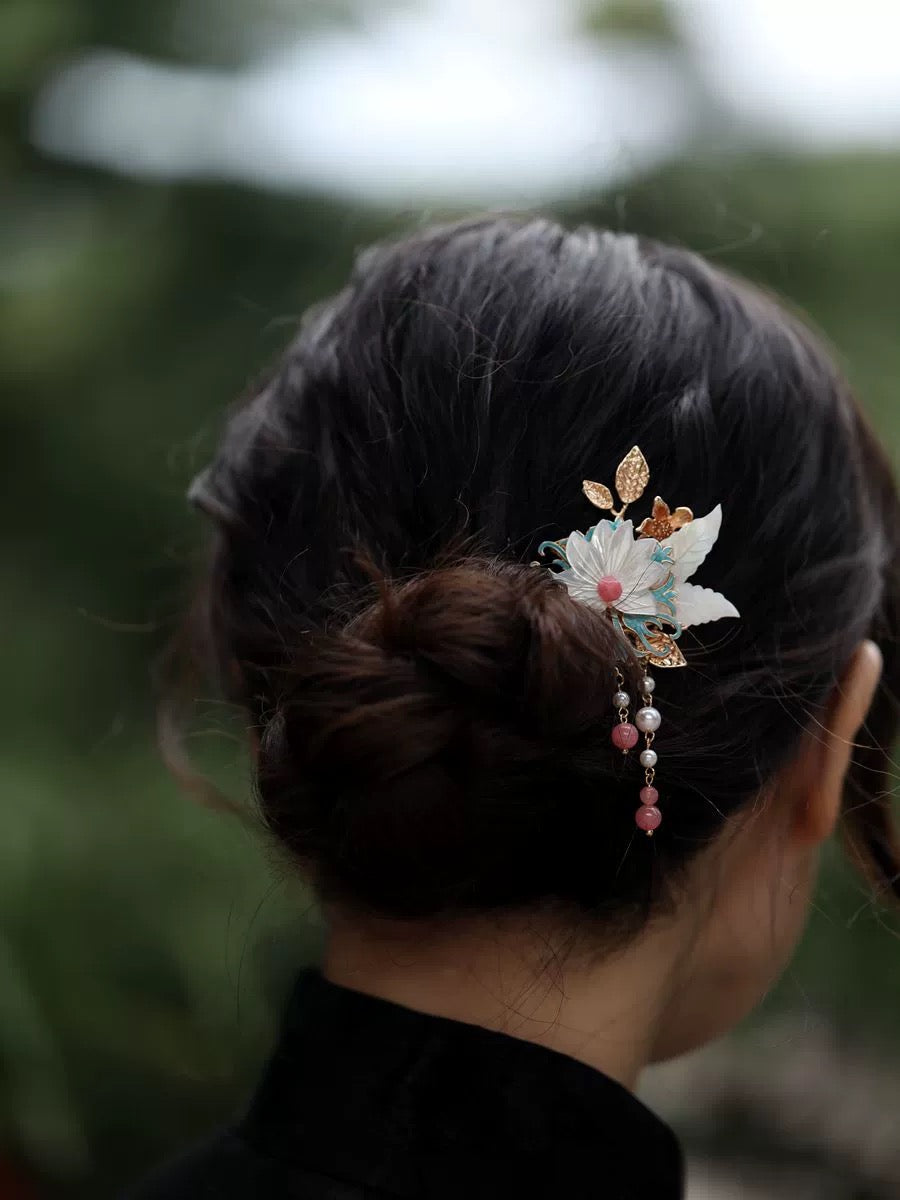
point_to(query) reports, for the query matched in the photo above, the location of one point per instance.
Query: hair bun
(416, 756)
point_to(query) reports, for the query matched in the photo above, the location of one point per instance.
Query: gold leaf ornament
(598, 494)
(632, 476)
(659, 648)
(666, 652)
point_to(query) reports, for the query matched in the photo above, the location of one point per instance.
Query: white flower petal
(601, 538)
(691, 544)
(617, 546)
(696, 605)
(615, 550)
(584, 558)
(637, 603)
(583, 592)
(640, 571)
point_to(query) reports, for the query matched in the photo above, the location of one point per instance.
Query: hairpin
(638, 580)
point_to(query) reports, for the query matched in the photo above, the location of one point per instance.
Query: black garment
(363, 1098)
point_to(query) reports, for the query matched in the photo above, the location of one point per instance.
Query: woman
(442, 636)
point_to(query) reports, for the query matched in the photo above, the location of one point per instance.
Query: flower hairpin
(639, 580)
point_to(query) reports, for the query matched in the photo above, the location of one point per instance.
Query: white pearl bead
(648, 683)
(648, 758)
(648, 719)
(621, 699)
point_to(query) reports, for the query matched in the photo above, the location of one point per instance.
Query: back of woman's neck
(517, 975)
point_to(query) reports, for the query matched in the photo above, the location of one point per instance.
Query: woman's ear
(822, 769)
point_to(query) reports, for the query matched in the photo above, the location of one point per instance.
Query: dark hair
(433, 713)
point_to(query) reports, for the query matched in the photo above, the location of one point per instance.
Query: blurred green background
(146, 942)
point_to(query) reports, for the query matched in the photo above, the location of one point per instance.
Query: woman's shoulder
(220, 1167)
(226, 1167)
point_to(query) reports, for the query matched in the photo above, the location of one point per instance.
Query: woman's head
(433, 713)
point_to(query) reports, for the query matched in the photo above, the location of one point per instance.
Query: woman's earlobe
(825, 764)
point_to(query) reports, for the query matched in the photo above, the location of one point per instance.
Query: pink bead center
(649, 796)
(624, 736)
(648, 818)
(609, 589)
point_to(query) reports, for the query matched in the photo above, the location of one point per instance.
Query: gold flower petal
(664, 523)
(680, 517)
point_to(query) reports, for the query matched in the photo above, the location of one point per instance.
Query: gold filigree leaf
(665, 651)
(632, 476)
(598, 494)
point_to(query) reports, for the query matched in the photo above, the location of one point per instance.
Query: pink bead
(649, 796)
(624, 736)
(648, 818)
(609, 589)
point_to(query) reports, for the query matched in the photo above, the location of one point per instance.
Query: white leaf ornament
(690, 545)
(696, 605)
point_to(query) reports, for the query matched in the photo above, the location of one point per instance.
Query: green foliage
(651, 20)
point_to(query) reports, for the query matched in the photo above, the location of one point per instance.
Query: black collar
(411, 1105)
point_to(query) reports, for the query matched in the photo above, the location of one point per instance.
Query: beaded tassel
(648, 720)
(624, 735)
